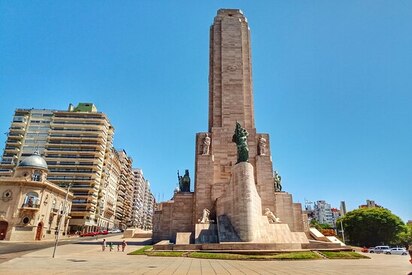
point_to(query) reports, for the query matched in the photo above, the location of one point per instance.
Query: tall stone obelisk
(230, 100)
(230, 197)
(230, 75)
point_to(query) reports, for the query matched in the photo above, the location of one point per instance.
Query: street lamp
(63, 215)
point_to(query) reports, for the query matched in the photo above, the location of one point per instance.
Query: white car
(114, 231)
(397, 251)
(380, 249)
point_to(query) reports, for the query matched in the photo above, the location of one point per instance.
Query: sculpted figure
(240, 138)
(184, 181)
(278, 181)
(262, 146)
(205, 216)
(206, 145)
(271, 217)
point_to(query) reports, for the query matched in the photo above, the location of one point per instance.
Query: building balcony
(29, 206)
(15, 136)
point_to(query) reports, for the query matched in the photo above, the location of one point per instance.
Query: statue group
(240, 138)
(184, 181)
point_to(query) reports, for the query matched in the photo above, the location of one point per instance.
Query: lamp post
(63, 215)
(343, 233)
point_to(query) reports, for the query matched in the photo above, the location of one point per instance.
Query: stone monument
(234, 198)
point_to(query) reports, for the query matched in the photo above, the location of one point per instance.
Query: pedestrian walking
(104, 245)
(124, 244)
(111, 246)
(118, 247)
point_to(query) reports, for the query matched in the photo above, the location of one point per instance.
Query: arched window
(31, 200)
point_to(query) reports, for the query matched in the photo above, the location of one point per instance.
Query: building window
(31, 200)
(36, 176)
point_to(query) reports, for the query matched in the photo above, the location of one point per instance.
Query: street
(10, 250)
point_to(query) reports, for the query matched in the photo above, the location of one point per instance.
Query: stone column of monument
(230, 100)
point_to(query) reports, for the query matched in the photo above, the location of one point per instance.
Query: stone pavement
(87, 258)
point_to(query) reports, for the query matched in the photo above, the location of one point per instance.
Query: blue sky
(332, 85)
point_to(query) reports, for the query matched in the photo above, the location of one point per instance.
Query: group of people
(111, 245)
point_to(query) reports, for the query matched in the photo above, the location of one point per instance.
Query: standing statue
(184, 181)
(262, 146)
(205, 216)
(240, 138)
(278, 181)
(206, 145)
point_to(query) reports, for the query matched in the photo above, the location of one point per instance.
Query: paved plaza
(87, 258)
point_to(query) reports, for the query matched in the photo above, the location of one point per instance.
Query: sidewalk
(87, 258)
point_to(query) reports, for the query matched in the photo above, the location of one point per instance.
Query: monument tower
(232, 201)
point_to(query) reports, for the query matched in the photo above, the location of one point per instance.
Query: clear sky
(332, 85)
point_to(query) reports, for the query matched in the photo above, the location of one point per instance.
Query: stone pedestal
(205, 233)
(241, 203)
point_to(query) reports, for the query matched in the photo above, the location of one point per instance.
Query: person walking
(104, 245)
(111, 246)
(124, 244)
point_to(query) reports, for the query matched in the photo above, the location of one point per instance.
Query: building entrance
(3, 229)
(39, 231)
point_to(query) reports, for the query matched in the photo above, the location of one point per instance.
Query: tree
(372, 226)
(405, 238)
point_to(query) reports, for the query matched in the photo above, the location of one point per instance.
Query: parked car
(114, 231)
(88, 234)
(103, 232)
(365, 249)
(397, 251)
(379, 249)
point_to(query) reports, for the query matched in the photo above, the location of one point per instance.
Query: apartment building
(107, 197)
(139, 191)
(77, 145)
(74, 142)
(123, 215)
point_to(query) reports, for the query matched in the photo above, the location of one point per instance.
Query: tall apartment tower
(124, 191)
(75, 144)
(139, 184)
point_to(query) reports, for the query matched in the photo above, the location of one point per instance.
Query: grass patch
(343, 255)
(165, 253)
(306, 255)
(147, 250)
(141, 251)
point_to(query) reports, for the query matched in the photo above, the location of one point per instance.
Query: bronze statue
(278, 181)
(240, 138)
(184, 181)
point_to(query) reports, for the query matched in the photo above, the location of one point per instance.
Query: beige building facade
(31, 207)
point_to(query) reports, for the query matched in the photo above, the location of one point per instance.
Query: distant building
(369, 204)
(32, 208)
(342, 208)
(323, 212)
(143, 202)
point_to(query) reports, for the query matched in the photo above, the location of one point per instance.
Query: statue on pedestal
(278, 181)
(184, 181)
(205, 216)
(206, 145)
(240, 138)
(262, 146)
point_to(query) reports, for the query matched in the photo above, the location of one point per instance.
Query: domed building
(31, 207)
